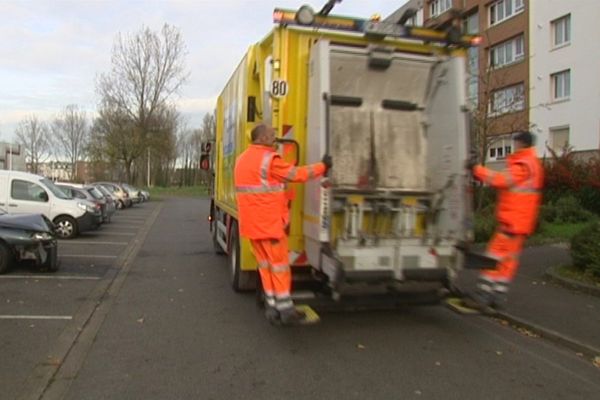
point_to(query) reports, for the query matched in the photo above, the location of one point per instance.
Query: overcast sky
(52, 51)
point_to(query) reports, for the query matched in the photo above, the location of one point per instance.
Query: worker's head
(263, 134)
(523, 140)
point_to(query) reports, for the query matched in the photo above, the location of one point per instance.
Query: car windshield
(95, 193)
(54, 189)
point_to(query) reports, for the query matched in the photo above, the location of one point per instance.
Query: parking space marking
(49, 277)
(85, 256)
(115, 234)
(63, 317)
(103, 243)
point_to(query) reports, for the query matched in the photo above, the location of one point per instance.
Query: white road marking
(49, 277)
(105, 243)
(115, 234)
(85, 256)
(63, 317)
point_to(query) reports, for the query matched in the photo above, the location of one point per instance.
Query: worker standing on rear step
(519, 189)
(260, 175)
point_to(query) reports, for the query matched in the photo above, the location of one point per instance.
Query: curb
(572, 283)
(566, 341)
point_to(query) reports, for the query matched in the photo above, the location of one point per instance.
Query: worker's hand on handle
(327, 161)
(472, 161)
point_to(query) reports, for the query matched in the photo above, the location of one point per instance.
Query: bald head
(263, 134)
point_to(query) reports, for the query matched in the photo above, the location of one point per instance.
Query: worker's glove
(327, 161)
(472, 160)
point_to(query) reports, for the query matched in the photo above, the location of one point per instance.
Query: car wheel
(66, 227)
(240, 280)
(5, 258)
(52, 263)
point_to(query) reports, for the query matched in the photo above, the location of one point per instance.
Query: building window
(507, 52)
(561, 31)
(559, 139)
(471, 24)
(504, 9)
(499, 147)
(508, 99)
(561, 85)
(438, 7)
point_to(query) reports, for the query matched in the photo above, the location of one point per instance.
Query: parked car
(134, 194)
(111, 200)
(25, 193)
(79, 191)
(123, 197)
(145, 195)
(27, 237)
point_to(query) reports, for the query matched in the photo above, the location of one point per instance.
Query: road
(167, 326)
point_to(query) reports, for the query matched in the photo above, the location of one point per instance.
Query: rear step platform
(311, 315)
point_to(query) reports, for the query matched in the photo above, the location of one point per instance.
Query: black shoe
(483, 303)
(272, 315)
(292, 317)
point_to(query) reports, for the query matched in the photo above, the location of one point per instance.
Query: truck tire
(241, 281)
(66, 227)
(218, 249)
(5, 258)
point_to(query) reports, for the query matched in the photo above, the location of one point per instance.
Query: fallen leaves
(360, 346)
(141, 320)
(596, 362)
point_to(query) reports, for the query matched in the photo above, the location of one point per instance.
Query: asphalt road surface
(160, 322)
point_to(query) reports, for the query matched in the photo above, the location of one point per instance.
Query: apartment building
(498, 70)
(565, 74)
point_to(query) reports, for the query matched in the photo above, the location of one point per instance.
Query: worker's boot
(272, 315)
(482, 301)
(291, 316)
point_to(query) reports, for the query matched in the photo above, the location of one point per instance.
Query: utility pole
(148, 178)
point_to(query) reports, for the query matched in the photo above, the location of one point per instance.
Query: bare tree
(70, 135)
(32, 134)
(147, 70)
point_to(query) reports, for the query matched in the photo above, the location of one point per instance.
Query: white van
(24, 193)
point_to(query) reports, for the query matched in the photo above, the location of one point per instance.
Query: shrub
(485, 224)
(585, 250)
(565, 210)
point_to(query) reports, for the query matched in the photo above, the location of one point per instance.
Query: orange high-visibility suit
(260, 175)
(519, 198)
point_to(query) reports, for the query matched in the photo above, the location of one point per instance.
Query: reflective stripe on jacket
(260, 175)
(519, 190)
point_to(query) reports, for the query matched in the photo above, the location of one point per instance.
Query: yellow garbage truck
(387, 102)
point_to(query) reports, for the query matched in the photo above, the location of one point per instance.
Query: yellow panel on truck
(388, 103)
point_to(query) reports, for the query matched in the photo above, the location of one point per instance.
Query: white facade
(565, 73)
(12, 157)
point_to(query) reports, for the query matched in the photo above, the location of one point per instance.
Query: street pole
(148, 179)
(10, 157)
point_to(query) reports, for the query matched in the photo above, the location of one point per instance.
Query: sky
(52, 51)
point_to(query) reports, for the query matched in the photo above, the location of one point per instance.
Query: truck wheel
(66, 227)
(5, 258)
(240, 280)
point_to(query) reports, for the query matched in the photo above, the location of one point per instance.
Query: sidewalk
(541, 305)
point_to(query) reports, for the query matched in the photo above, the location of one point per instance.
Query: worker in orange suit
(260, 176)
(519, 189)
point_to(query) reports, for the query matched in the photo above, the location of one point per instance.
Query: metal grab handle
(295, 143)
(13, 205)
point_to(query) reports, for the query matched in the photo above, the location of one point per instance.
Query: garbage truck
(387, 102)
